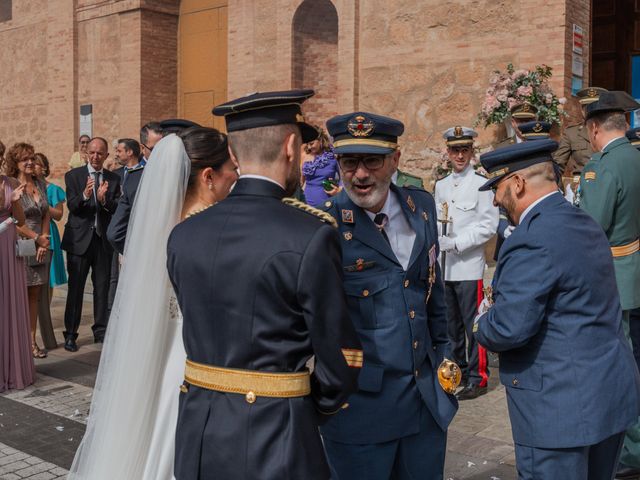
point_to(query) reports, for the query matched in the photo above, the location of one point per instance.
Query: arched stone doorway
(315, 56)
(202, 60)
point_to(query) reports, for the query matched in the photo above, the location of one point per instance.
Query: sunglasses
(495, 186)
(350, 164)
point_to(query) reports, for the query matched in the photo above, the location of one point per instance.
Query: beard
(368, 200)
(509, 205)
(293, 179)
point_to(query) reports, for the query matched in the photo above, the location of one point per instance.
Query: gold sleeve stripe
(353, 357)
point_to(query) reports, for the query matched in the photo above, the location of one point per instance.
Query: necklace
(200, 210)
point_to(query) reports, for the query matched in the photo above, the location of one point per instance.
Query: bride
(131, 427)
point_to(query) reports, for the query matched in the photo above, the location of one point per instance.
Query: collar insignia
(347, 236)
(425, 216)
(347, 216)
(412, 205)
(457, 132)
(360, 126)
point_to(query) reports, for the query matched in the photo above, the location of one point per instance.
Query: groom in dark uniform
(259, 281)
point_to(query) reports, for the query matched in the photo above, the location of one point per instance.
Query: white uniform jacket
(473, 221)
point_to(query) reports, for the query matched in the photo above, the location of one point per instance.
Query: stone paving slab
(17, 465)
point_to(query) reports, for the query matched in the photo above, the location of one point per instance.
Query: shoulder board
(480, 174)
(324, 216)
(413, 187)
(136, 168)
(443, 177)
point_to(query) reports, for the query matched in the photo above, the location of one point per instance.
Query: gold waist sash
(624, 250)
(251, 383)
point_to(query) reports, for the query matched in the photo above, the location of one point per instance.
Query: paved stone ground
(41, 426)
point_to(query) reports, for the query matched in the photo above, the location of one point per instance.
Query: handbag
(25, 247)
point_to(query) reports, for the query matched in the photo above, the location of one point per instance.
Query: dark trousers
(634, 333)
(98, 259)
(413, 457)
(593, 462)
(463, 298)
(113, 281)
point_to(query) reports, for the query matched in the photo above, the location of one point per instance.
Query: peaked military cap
(524, 111)
(459, 136)
(504, 161)
(537, 130)
(175, 125)
(612, 101)
(633, 135)
(363, 132)
(267, 109)
(589, 95)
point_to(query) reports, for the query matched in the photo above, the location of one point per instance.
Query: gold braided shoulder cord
(324, 216)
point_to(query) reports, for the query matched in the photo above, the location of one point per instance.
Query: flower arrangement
(513, 87)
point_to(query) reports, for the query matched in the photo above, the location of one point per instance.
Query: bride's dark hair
(206, 148)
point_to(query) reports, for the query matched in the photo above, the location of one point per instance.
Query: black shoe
(70, 344)
(98, 340)
(627, 473)
(471, 391)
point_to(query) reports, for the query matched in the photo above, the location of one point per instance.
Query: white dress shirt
(530, 207)
(474, 220)
(401, 235)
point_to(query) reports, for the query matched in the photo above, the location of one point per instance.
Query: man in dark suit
(92, 195)
(259, 282)
(571, 380)
(150, 134)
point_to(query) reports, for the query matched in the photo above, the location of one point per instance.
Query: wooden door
(202, 60)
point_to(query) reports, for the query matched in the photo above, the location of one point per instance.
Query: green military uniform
(406, 179)
(610, 193)
(574, 151)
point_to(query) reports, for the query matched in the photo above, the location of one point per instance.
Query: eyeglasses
(495, 186)
(350, 164)
(148, 148)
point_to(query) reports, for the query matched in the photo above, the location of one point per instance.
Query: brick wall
(315, 57)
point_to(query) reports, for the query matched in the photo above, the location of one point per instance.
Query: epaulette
(480, 174)
(324, 216)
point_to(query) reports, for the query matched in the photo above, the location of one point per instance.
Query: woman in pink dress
(16, 363)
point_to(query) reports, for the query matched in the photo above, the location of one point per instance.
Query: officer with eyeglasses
(396, 425)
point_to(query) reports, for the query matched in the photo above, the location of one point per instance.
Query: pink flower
(511, 102)
(524, 91)
(519, 73)
(548, 98)
(562, 100)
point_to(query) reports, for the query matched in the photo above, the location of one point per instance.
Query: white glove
(447, 244)
(508, 231)
(483, 308)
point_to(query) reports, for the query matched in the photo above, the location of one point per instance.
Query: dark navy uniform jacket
(117, 232)
(259, 284)
(403, 333)
(569, 373)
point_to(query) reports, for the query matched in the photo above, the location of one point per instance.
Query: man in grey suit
(571, 380)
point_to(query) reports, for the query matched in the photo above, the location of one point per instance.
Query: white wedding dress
(131, 428)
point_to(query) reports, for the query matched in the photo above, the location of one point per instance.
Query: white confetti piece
(60, 428)
(470, 464)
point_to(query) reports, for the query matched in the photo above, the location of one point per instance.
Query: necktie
(96, 184)
(381, 221)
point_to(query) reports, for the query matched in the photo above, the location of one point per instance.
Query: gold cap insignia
(537, 128)
(412, 205)
(638, 133)
(457, 132)
(360, 126)
(592, 93)
(525, 107)
(347, 216)
(347, 236)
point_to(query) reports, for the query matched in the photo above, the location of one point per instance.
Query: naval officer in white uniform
(473, 220)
